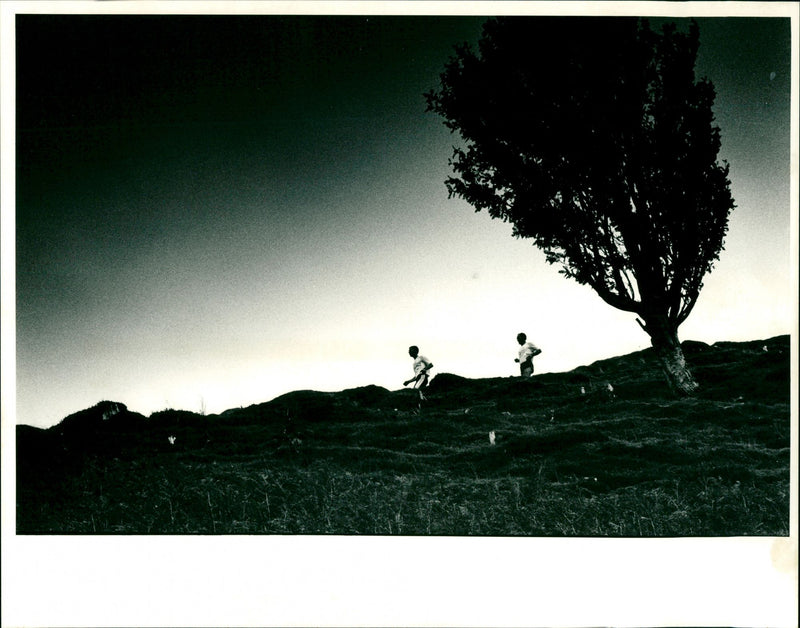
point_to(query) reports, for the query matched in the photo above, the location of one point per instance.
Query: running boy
(421, 367)
(526, 353)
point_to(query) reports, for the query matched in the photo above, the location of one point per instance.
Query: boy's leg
(422, 382)
(526, 368)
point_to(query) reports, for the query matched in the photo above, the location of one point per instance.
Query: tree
(592, 137)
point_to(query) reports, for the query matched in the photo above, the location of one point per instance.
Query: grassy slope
(571, 458)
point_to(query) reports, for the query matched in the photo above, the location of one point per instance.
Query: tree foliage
(592, 137)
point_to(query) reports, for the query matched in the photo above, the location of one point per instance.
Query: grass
(635, 463)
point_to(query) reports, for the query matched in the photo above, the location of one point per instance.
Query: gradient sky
(214, 210)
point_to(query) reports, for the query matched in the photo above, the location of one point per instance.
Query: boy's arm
(531, 351)
(415, 378)
(428, 366)
(424, 371)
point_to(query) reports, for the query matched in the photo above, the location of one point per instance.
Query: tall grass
(327, 499)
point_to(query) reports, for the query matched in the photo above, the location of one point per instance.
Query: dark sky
(213, 210)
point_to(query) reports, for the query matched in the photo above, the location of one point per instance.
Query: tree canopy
(592, 137)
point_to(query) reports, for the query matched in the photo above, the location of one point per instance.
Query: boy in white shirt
(525, 357)
(421, 367)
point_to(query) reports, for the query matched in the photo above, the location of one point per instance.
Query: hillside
(603, 450)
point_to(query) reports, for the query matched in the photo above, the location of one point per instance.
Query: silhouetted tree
(592, 137)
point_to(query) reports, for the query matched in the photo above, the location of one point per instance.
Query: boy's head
(521, 338)
(413, 351)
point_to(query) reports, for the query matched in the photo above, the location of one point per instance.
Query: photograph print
(440, 275)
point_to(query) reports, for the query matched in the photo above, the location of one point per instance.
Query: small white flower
(171, 440)
(610, 388)
(764, 349)
(583, 390)
(491, 437)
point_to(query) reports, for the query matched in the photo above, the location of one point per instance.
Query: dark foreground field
(571, 458)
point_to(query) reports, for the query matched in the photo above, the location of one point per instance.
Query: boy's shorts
(526, 368)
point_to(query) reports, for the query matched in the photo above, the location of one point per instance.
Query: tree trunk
(664, 338)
